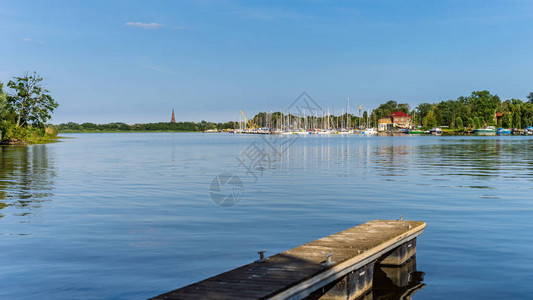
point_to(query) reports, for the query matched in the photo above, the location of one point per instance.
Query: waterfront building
(385, 124)
(396, 120)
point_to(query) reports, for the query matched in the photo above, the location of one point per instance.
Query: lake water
(129, 216)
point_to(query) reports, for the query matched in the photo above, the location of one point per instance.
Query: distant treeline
(162, 126)
(478, 110)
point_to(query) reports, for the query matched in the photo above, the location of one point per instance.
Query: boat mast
(347, 105)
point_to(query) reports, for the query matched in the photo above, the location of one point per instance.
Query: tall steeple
(173, 120)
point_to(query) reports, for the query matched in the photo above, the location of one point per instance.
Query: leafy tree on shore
(4, 112)
(422, 110)
(3, 102)
(483, 106)
(530, 97)
(471, 123)
(459, 123)
(478, 122)
(430, 120)
(403, 107)
(30, 102)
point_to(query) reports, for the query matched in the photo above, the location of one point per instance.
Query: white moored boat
(369, 131)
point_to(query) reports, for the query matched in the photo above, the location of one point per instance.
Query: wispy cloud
(145, 25)
(28, 40)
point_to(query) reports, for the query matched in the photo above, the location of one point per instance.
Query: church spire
(173, 120)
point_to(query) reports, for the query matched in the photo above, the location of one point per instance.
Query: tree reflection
(26, 178)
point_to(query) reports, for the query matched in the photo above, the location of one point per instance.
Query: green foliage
(29, 135)
(404, 107)
(483, 105)
(478, 110)
(478, 123)
(421, 111)
(24, 111)
(530, 97)
(388, 108)
(430, 120)
(471, 123)
(162, 126)
(3, 102)
(459, 123)
(29, 101)
(507, 120)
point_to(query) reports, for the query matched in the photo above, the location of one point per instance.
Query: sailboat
(369, 130)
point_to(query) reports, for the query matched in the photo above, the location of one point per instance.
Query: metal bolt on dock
(261, 256)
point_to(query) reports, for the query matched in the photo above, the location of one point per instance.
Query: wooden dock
(345, 259)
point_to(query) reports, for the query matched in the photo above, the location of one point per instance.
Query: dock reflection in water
(387, 282)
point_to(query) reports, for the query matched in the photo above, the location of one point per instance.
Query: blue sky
(134, 61)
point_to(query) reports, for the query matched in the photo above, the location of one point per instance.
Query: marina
(396, 123)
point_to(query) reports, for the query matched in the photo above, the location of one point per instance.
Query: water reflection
(441, 159)
(478, 158)
(26, 178)
(397, 282)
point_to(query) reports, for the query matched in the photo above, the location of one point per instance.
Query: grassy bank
(28, 135)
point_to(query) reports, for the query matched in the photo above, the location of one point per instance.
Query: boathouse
(396, 120)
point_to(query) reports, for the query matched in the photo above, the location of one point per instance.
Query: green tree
(365, 118)
(507, 120)
(478, 122)
(483, 105)
(3, 102)
(422, 110)
(446, 111)
(459, 123)
(30, 102)
(530, 97)
(403, 107)
(384, 109)
(471, 123)
(527, 114)
(430, 120)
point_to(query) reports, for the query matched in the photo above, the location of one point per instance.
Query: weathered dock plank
(296, 273)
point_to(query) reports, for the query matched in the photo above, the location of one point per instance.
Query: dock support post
(395, 282)
(352, 286)
(400, 255)
(400, 275)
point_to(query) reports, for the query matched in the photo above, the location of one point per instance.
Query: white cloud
(145, 25)
(28, 40)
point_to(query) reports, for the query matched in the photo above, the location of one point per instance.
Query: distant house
(396, 120)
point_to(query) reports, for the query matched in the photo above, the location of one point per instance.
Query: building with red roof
(396, 120)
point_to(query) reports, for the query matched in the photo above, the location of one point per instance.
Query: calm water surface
(129, 216)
